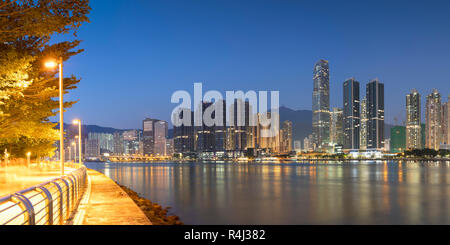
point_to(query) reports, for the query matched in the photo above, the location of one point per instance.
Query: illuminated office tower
(413, 121)
(148, 135)
(204, 134)
(118, 143)
(375, 114)
(183, 135)
(351, 114)
(433, 123)
(160, 129)
(363, 134)
(446, 122)
(286, 137)
(336, 129)
(321, 105)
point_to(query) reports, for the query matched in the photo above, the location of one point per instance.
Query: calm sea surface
(293, 193)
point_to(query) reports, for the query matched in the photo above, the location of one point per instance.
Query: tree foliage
(28, 92)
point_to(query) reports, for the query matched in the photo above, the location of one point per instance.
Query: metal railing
(50, 203)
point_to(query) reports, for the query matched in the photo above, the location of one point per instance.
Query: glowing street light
(78, 121)
(51, 64)
(74, 151)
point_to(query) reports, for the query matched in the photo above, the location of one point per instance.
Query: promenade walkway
(110, 205)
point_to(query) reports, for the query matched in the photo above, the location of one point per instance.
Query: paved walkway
(110, 205)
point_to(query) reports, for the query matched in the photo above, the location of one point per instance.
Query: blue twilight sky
(139, 52)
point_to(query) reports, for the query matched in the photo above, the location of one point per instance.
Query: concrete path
(110, 205)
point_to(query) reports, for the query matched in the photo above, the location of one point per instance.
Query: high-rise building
(148, 135)
(92, 148)
(160, 138)
(105, 141)
(337, 129)
(183, 135)
(131, 142)
(398, 139)
(286, 137)
(351, 114)
(446, 122)
(375, 114)
(118, 143)
(204, 133)
(413, 121)
(433, 123)
(363, 134)
(321, 105)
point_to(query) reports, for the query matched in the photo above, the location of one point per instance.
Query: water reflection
(371, 192)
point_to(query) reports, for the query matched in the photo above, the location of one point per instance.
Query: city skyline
(287, 45)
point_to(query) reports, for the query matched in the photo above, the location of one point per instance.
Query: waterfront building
(433, 123)
(446, 123)
(375, 114)
(204, 133)
(398, 139)
(351, 113)
(363, 131)
(131, 142)
(286, 137)
(105, 141)
(170, 147)
(148, 135)
(337, 129)
(183, 135)
(413, 121)
(321, 106)
(160, 138)
(118, 143)
(92, 148)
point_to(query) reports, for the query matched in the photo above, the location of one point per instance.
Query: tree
(28, 92)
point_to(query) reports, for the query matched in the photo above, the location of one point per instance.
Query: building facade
(375, 114)
(433, 122)
(351, 113)
(321, 105)
(413, 121)
(337, 128)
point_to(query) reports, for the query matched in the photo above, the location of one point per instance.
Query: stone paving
(110, 205)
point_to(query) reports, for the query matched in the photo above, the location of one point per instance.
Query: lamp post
(78, 121)
(53, 64)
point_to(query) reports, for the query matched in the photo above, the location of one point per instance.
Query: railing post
(61, 214)
(28, 207)
(49, 204)
(68, 198)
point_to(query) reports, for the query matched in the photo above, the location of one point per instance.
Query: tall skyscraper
(351, 114)
(160, 136)
(204, 133)
(286, 137)
(321, 105)
(433, 123)
(337, 129)
(375, 114)
(183, 135)
(363, 134)
(446, 122)
(413, 121)
(118, 143)
(148, 137)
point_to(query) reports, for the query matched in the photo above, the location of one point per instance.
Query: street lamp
(53, 64)
(78, 121)
(70, 153)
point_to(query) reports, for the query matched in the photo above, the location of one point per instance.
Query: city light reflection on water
(325, 193)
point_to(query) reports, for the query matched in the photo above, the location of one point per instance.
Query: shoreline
(154, 212)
